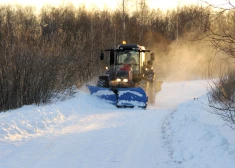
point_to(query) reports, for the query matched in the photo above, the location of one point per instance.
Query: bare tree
(221, 35)
(221, 31)
(222, 95)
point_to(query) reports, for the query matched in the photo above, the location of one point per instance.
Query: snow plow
(128, 78)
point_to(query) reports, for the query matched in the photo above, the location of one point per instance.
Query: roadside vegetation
(222, 37)
(45, 53)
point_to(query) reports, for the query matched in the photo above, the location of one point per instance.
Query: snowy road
(115, 139)
(111, 138)
(84, 132)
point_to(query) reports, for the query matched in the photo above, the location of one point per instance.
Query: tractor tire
(103, 82)
(151, 92)
(150, 77)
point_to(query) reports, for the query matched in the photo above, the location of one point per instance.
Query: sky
(162, 4)
(112, 4)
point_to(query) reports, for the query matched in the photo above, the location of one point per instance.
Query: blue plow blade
(130, 97)
(103, 93)
(127, 97)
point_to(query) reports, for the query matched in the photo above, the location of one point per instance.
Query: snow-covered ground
(84, 132)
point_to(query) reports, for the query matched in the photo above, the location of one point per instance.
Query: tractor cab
(131, 54)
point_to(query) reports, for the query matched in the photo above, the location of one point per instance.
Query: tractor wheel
(103, 81)
(151, 92)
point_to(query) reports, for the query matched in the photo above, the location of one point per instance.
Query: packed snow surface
(85, 132)
(131, 103)
(103, 92)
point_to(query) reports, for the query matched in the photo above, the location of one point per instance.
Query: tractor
(129, 79)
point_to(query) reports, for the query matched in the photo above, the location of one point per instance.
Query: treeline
(221, 34)
(43, 54)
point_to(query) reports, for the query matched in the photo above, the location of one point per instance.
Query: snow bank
(195, 143)
(30, 121)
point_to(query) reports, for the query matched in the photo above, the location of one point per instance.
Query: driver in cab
(129, 59)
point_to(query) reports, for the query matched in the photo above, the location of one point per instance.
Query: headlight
(118, 80)
(125, 80)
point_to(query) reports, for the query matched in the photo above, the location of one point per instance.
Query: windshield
(129, 57)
